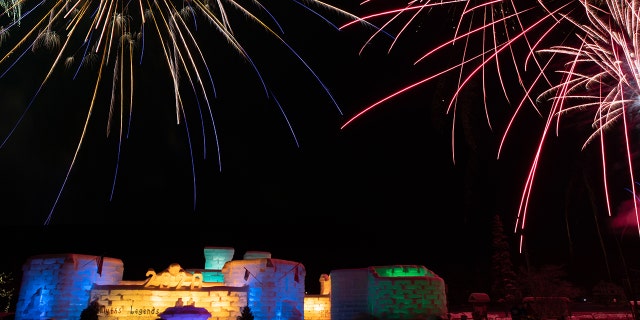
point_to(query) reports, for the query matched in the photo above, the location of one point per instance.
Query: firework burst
(567, 57)
(109, 38)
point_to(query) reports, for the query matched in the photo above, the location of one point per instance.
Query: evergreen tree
(246, 314)
(7, 291)
(548, 281)
(504, 285)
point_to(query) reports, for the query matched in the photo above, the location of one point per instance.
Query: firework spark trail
(609, 53)
(593, 69)
(106, 29)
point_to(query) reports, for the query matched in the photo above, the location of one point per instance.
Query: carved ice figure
(173, 277)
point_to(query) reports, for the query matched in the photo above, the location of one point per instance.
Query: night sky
(385, 190)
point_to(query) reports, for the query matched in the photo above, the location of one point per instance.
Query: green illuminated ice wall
(387, 292)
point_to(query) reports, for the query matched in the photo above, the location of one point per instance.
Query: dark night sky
(383, 191)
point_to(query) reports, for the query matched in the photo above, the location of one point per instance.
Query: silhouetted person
(516, 312)
(91, 312)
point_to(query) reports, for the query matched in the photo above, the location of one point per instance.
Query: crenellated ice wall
(135, 301)
(216, 257)
(406, 292)
(276, 287)
(317, 307)
(349, 294)
(214, 260)
(256, 255)
(387, 292)
(59, 286)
